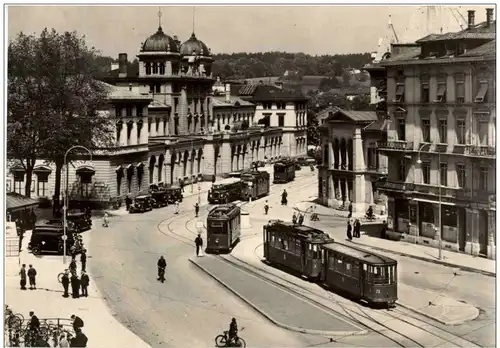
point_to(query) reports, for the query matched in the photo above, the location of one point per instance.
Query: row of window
(443, 174)
(129, 109)
(351, 268)
(460, 130)
(159, 68)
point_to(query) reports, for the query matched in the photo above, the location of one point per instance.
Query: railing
(396, 186)
(380, 169)
(487, 151)
(395, 145)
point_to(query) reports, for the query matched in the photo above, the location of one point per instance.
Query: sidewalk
(427, 303)
(308, 206)
(101, 328)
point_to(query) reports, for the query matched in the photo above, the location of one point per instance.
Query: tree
(312, 128)
(53, 94)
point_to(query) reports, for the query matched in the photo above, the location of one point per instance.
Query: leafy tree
(53, 99)
(313, 137)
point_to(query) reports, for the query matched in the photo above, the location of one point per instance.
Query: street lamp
(439, 229)
(65, 208)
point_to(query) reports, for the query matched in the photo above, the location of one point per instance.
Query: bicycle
(223, 340)
(12, 320)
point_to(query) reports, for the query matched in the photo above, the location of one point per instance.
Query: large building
(351, 166)
(170, 126)
(441, 143)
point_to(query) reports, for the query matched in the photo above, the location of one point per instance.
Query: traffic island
(279, 306)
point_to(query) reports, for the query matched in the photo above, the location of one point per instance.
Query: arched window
(162, 68)
(155, 68)
(148, 68)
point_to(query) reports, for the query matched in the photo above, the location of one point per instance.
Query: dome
(160, 42)
(193, 44)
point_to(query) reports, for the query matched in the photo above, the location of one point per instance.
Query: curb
(447, 323)
(439, 262)
(272, 320)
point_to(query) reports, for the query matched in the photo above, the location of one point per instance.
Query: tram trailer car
(284, 171)
(349, 270)
(295, 247)
(225, 191)
(223, 228)
(257, 184)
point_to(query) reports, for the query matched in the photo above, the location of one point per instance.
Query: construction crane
(463, 21)
(393, 30)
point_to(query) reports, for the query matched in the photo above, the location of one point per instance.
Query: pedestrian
(349, 230)
(284, 196)
(213, 179)
(181, 184)
(301, 219)
(34, 327)
(65, 283)
(177, 207)
(80, 340)
(75, 286)
(357, 228)
(199, 244)
(77, 323)
(128, 202)
(196, 209)
(22, 273)
(32, 277)
(84, 283)
(72, 266)
(294, 218)
(383, 232)
(266, 208)
(350, 210)
(83, 260)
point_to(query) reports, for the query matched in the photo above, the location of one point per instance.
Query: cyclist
(162, 264)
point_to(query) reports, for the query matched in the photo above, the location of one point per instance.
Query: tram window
(331, 263)
(272, 239)
(375, 270)
(285, 244)
(365, 268)
(298, 248)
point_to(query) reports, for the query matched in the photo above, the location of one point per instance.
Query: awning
(85, 169)
(140, 165)
(16, 202)
(482, 92)
(42, 169)
(128, 166)
(119, 169)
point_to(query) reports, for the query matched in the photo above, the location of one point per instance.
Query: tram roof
(284, 162)
(226, 181)
(306, 231)
(255, 173)
(222, 210)
(360, 254)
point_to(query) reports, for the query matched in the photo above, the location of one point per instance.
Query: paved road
(281, 305)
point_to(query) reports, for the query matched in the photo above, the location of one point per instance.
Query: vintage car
(174, 194)
(77, 221)
(159, 199)
(48, 238)
(141, 204)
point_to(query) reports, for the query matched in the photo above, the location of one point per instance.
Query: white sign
(64, 238)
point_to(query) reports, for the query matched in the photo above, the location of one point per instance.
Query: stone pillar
(225, 159)
(341, 160)
(168, 68)
(358, 153)
(348, 197)
(347, 155)
(133, 133)
(331, 156)
(359, 199)
(183, 105)
(161, 127)
(144, 131)
(472, 232)
(167, 126)
(152, 126)
(491, 235)
(331, 191)
(123, 134)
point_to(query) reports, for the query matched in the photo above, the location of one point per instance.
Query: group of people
(30, 274)
(79, 285)
(298, 219)
(355, 227)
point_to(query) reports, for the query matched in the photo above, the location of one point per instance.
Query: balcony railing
(486, 151)
(397, 145)
(380, 169)
(396, 186)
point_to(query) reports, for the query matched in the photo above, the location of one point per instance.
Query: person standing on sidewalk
(177, 207)
(77, 323)
(357, 228)
(32, 277)
(350, 210)
(72, 266)
(34, 327)
(65, 283)
(75, 286)
(349, 230)
(22, 273)
(199, 244)
(196, 209)
(266, 208)
(294, 218)
(84, 283)
(83, 260)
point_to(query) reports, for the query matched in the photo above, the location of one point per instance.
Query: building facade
(351, 166)
(441, 143)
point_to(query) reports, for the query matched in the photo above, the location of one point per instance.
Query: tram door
(303, 253)
(267, 238)
(364, 277)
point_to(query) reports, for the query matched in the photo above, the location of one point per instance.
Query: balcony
(380, 170)
(480, 151)
(396, 186)
(396, 145)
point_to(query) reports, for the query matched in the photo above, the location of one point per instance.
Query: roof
(15, 201)
(158, 104)
(379, 125)
(160, 42)
(123, 93)
(226, 181)
(353, 116)
(261, 92)
(223, 209)
(132, 71)
(193, 45)
(479, 31)
(234, 101)
(358, 253)
(487, 49)
(326, 112)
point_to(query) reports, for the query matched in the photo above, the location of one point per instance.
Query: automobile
(77, 221)
(48, 238)
(159, 198)
(174, 193)
(141, 204)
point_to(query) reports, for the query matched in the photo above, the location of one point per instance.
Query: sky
(313, 30)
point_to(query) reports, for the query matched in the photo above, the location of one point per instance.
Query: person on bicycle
(162, 264)
(233, 331)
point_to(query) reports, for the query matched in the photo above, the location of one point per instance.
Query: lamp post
(192, 165)
(65, 208)
(438, 229)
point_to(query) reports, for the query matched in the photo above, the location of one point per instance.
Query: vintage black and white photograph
(228, 175)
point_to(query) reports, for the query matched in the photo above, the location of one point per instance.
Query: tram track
(356, 312)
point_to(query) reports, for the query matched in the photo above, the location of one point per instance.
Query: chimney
(228, 93)
(122, 65)
(471, 15)
(489, 17)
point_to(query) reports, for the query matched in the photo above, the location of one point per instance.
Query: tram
(346, 269)
(223, 228)
(225, 191)
(257, 184)
(284, 171)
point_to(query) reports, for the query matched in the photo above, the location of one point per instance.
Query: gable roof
(353, 116)
(15, 201)
(260, 92)
(234, 101)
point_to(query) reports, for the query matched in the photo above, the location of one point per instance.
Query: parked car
(48, 238)
(77, 221)
(141, 204)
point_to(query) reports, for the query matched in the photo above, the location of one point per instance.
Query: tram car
(284, 171)
(223, 228)
(346, 269)
(225, 191)
(256, 184)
